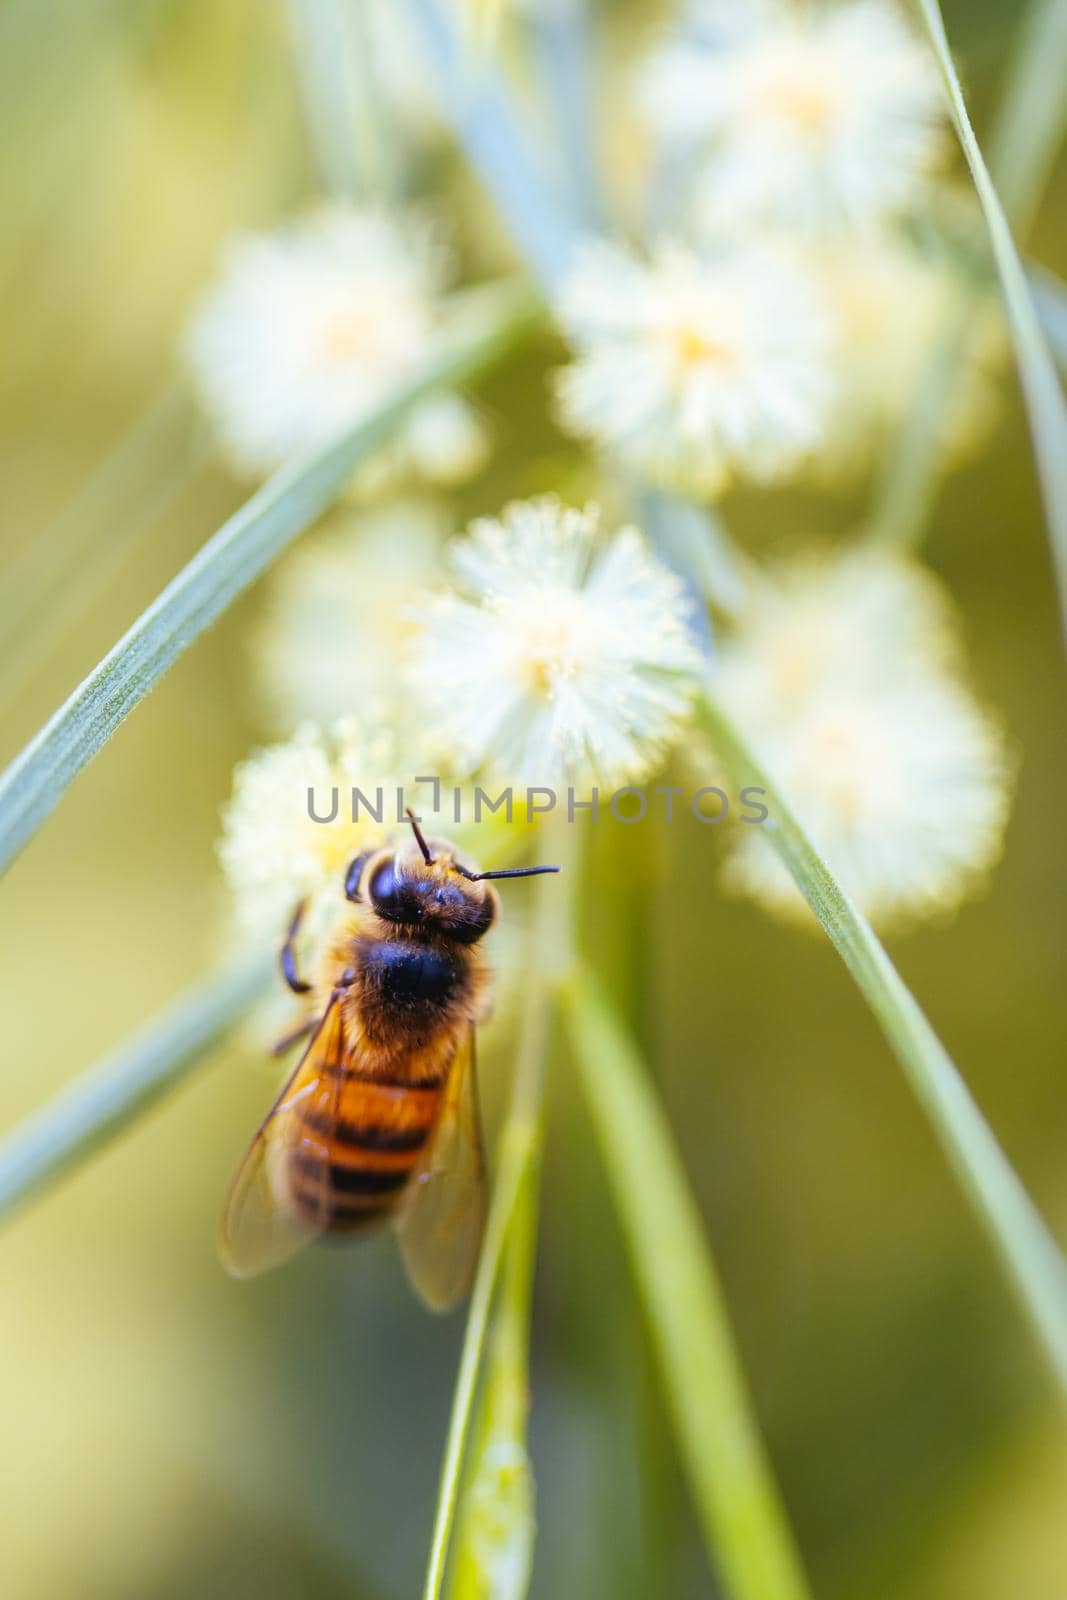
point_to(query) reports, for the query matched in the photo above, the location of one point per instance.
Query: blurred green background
(167, 1432)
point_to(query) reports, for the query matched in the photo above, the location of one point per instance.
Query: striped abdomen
(347, 1163)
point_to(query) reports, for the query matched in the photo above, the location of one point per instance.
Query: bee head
(423, 884)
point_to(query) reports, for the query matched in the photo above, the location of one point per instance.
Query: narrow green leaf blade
(1032, 116)
(744, 1524)
(547, 943)
(1029, 1253)
(493, 1548)
(37, 779)
(520, 1149)
(106, 1099)
(1045, 404)
(1050, 298)
(476, 102)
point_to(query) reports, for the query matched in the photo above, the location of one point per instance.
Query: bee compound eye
(383, 883)
(391, 897)
(383, 886)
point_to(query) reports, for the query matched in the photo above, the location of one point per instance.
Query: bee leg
(353, 875)
(280, 1046)
(288, 955)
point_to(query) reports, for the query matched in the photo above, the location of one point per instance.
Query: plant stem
(1032, 116)
(910, 483)
(519, 1151)
(93, 1110)
(323, 67)
(1050, 299)
(127, 473)
(114, 515)
(335, 52)
(562, 38)
(1028, 128)
(744, 1524)
(1032, 1259)
(520, 1145)
(504, 1409)
(1045, 405)
(471, 96)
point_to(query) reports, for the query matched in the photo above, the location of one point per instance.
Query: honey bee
(380, 1119)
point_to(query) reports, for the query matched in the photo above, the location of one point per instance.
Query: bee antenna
(420, 841)
(506, 872)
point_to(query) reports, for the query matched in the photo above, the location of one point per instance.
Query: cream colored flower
(844, 679)
(693, 367)
(273, 850)
(862, 617)
(806, 116)
(334, 629)
(556, 655)
(302, 810)
(310, 327)
(893, 303)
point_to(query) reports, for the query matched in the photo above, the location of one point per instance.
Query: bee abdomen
(339, 1195)
(346, 1174)
(391, 1137)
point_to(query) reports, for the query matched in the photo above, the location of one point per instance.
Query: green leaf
(1050, 298)
(129, 473)
(1045, 405)
(1027, 131)
(1030, 1255)
(744, 1524)
(1032, 116)
(359, 150)
(478, 106)
(494, 1545)
(37, 779)
(907, 494)
(547, 956)
(520, 1145)
(70, 563)
(102, 1102)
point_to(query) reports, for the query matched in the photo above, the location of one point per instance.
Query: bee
(379, 1119)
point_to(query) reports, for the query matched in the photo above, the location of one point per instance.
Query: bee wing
(442, 1214)
(258, 1230)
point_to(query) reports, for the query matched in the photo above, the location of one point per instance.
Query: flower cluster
(333, 632)
(778, 320)
(272, 850)
(801, 116)
(554, 656)
(894, 302)
(697, 364)
(308, 328)
(846, 678)
(783, 317)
